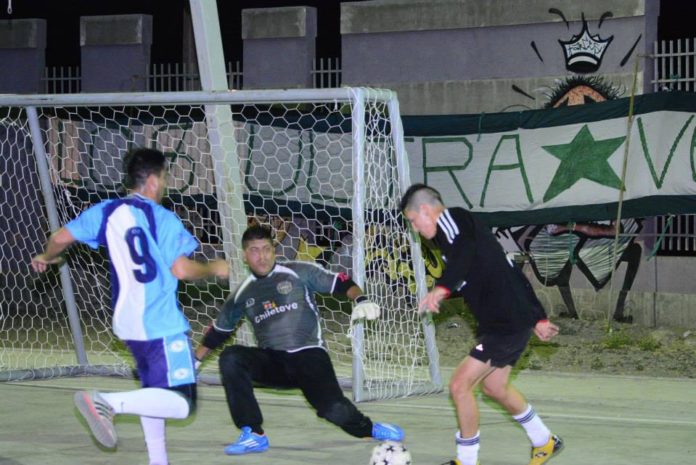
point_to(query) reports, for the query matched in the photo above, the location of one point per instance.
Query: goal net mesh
(330, 194)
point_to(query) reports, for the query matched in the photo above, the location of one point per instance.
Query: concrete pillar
(23, 50)
(115, 52)
(279, 47)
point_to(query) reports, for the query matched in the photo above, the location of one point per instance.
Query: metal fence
(62, 80)
(160, 77)
(676, 235)
(673, 65)
(673, 61)
(674, 69)
(326, 73)
(179, 77)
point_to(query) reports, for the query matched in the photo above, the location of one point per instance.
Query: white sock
(155, 440)
(537, 432)
(149, 402)
(467, 448)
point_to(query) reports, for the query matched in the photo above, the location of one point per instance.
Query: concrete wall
(22, 53)
(279, 47)
(465, 56)
(115, 52)
(482, 95)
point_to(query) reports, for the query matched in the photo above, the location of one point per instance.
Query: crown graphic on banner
(584, 52)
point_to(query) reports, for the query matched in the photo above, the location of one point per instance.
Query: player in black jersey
(505, 307)
(278, 300)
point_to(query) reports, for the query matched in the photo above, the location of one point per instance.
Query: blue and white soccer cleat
(248, 442)
(387, 432)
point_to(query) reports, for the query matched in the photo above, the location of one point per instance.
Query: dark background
(63, 26)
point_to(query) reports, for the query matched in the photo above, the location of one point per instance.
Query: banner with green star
(563, 164)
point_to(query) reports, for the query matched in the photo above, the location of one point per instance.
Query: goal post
(324, 167)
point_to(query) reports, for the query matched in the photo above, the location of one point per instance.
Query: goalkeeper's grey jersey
(281, 306)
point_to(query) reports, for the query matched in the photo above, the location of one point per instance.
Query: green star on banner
(584, 157)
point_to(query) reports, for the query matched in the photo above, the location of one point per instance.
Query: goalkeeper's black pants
(310, 370)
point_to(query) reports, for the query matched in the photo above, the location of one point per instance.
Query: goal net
(325, 168)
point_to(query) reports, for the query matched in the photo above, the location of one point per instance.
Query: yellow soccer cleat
(543, 453)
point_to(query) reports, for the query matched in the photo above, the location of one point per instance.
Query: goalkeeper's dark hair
(419, 194)
(140, 163)
(255, 232)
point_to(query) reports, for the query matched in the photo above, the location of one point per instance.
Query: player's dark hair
(140, 163)
(255, 232)
(411, 199)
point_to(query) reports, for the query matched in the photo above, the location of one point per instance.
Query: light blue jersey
(144, 240)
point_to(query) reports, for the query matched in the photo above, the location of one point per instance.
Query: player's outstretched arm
(363, 308)
(57, 243)
(191, 270)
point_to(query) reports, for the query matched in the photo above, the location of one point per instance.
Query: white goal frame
(229, 185)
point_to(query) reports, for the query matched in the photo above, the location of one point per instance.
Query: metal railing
(182, 77)
(677, 235)
(673, 61)
(160, 77)
(62, 80)
(674, 65)
(326, 73)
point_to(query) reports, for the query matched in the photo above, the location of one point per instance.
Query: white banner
(560, 166)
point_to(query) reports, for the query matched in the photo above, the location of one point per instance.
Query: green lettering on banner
(468, 155)
(509, 166)
(648, 158)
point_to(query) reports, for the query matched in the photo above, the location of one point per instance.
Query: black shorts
(501, 349)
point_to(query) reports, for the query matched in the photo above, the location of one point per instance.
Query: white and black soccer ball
(390, 453)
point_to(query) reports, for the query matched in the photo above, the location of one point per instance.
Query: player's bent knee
(458, 386)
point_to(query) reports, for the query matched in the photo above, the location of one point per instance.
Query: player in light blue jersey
(149, 251)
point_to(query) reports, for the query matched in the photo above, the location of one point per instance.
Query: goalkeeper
(278, 300)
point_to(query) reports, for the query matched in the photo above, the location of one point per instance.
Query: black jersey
(476, 267)
(280, 306)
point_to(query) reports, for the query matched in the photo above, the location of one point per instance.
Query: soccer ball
(390, 453)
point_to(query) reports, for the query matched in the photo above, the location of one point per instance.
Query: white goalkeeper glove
(364, 309)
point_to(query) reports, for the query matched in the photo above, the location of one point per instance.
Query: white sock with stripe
(537, 432)
(467, 448)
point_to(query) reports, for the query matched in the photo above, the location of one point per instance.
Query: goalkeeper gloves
(364, 309)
